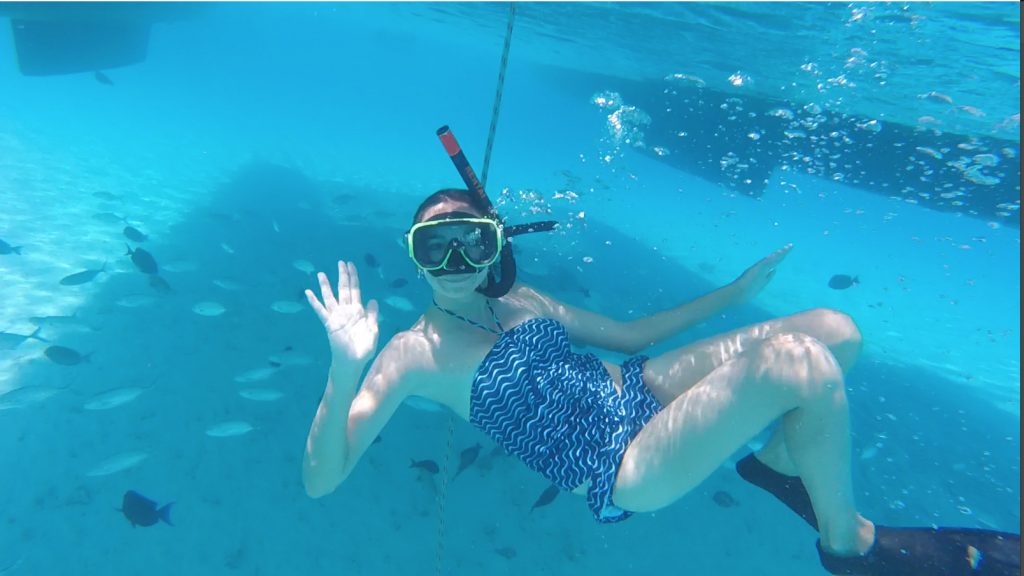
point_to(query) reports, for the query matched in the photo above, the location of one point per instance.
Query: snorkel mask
(455, 243)
(459, 242)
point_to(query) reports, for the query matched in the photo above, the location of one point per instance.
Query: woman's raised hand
(755, 278)
(352, 330)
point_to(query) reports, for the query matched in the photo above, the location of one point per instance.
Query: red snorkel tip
(451, 145)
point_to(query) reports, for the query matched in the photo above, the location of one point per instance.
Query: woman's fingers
(321, 312)
(329, 302)
(344, 295)
(353, 285)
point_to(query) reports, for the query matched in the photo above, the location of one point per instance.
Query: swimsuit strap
(500, 330)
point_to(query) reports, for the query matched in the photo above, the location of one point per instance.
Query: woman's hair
(449, 195)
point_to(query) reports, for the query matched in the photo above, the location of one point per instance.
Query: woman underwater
(633, 438)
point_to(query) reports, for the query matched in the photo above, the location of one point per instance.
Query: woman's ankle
(855, 542)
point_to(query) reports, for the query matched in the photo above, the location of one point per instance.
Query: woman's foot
(931, 552)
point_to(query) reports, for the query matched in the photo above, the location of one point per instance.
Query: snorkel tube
(497, 284)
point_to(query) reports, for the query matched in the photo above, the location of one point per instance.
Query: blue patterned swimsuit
(559, 412)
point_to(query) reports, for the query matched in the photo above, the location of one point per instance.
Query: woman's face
(454, 285)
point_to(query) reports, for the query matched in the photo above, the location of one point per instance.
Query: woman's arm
(349, 416)
(347, 422)
(631, 337)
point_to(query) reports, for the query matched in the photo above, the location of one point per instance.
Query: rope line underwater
(442, 496)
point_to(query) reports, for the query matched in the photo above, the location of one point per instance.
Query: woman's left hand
(755, 278)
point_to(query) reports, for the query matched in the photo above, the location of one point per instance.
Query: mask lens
(433, 243)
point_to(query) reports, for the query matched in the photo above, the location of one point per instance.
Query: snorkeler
(633, 438)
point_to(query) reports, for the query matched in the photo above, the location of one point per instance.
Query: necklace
(500, 330)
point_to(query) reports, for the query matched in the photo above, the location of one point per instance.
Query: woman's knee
(840, 333)
(797, 364)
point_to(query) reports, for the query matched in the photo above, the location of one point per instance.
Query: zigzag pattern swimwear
(559, 412)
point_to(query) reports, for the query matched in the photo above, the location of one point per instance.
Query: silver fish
(118, 463)
(113, 398)
(26, 396)
(229, 429)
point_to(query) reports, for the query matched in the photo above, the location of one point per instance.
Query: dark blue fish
(104, 195)
(143, 260)
(103, 78)
(428, 465)
(371, 260)
(467, 457)
(109, 218)
(134, 234)
(9, 341)
(842, 281)
(724, 499)
(399, 283)
(157, 283)
(6, 248)
(82, 277)
(546, 497)
(65, 356)
(142, 511)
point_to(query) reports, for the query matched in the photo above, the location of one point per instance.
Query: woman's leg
(676, 371)
(793, 376)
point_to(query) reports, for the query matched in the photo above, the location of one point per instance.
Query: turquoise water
(254, 139)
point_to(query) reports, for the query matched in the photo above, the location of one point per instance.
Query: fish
(467, 457)
(102, 78)
(287, 307)
(208, 308)
(304, 266)
(227, 248)
(105, 195)
(156, 282)
(134, 234)
(122, 461)
(371, 260)
(507, 552)
(26, 396)
(65, 356)
(227, 285)
(399, 303)
(6, 248)
(229, 429)
(261, 394)
(399, 283)
(61, 322)
(83, 277)
(342, 199)
(135, 300)
(546, 497)
(256, 375)
(289, 357)
(113, 398)
(143, 260)
(426, 465)
(109, 218)
(142, 511)
(842, 281)
(724, 499)
(10, 341)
